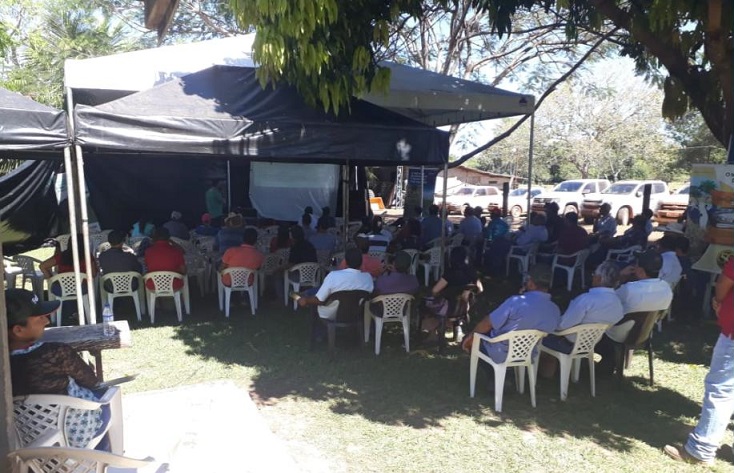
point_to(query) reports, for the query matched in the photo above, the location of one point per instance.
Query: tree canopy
(329, 49)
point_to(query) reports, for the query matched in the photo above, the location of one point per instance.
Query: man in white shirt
(647, 293)
(600, 305)
(671, 270)
(349, 279)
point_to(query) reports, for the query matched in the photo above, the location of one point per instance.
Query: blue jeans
(718, 403)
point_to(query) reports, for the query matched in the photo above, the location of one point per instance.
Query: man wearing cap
(531, 310)
(176, 228)
(206, 228)
(45, 367)
(646, 293)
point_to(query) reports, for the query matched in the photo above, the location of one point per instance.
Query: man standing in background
(215, 203)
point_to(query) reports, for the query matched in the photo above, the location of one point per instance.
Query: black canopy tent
(36, 133)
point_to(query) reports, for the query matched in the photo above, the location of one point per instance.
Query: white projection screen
(282, 190)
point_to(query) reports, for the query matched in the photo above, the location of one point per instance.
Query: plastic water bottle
(107, 319)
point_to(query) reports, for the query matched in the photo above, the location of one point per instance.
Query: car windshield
(465, 191)
(517, 192)
(569, 186)
(685, 190)
(620, 188)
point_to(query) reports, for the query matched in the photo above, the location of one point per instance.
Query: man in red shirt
(164, 255)
(243, 256)
(718, 398)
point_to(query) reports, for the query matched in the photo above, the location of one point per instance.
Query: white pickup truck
(672, 207)
(569, 194)
(625, 198)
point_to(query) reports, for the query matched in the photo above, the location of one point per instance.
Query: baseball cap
(495, 211)
(22, 304)
(206, 218)
(649, 260)
(176, 215)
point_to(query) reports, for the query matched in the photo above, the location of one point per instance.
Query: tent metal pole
(530, 160)
(7, 424)
(423, 184)
(345, 204)
(444, 216)
(85, 234)
(229, 187)
(71, 200)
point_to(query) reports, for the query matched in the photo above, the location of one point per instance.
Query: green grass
(399, 412)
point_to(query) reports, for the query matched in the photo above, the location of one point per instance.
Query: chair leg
(649, 362)
(565, 363)
(252, 292)
(473, 363)
(331, 333)
(366, 325)
(286, 287)
(576, 369)
(186, 297)
(532, 378)
(569, 279)
(227, 300)
(177, 301)
(151, 307)
(592, 375)
(141, 298)
(296, 288)
(520, 379)
(378, 334)
(220, 290)
(87, 311)
(500, 371)
(136, 301)
(619, 356)
(406, 333)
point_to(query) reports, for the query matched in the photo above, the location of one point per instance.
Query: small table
(91, 338)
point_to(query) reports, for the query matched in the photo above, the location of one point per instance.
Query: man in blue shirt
(471, 226)
(531, 310)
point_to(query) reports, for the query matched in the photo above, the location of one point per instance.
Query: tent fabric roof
(431, 98)
(28, 127)
(224, 111)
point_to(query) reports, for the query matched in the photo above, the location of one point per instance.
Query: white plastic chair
(122, 286)
(97, 239)
(240, 278)
(413, 260)
(525, 256)
(67, 283)
(519, 356)
(431, 262)
(28, 265)
(579, 259)
(63, 241)
(11, 271)
(587, 336)
(271, 264)
(68, 459)
(623, 255)
(163, 283)
(395, 308)
(41, 419)
(308, 275)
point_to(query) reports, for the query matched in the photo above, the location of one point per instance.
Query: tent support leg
(530, 161)
(444, 216)
(85, 233)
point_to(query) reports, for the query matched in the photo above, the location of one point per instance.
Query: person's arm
(724, 287)
(573, 315)
(47, 266)
(483, 327)
(74, 367)
(439, 286)
(308, 300)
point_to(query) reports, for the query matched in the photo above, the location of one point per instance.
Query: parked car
(672, 207)
(517, 201)
(569, 194)
(625, 197)
(472, 196)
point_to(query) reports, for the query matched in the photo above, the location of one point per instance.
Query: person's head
(67, 256)
(458, 257)
(478, 210)
(639, 221)
(249, 237)
(538, 219)
(648, 264)
(572, 218)
(647, 213)
(362, 243)
(325, 211)
(606, 275)
(322, 225)
(353, 257)
(433, 210)
(682, 245)
(402, 262)
(234, 220)
(495, 213)
(308, 210)
(667, 243)
(468, 211)
(27, 316)
(604, 209)
(297, 233)
(161, 234)
(206, 219)
(306, 220)
(176, 215)
(539, 278)
(551, 208)
(116, 238)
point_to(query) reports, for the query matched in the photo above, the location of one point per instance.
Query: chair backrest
(26, 263)
(188, 246)
(308, 273)
(520, 346)
(206, 244)
(163, 281)
(642, 329)
(623, 254)
(284, 254)
(587, 336)
(271, 262)
(242, 278)
(71, 460)
(121, 282)
(379, 254)
(67, 282)
(434, 255)
(348, 306)
(63, 241)
(394, 306)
